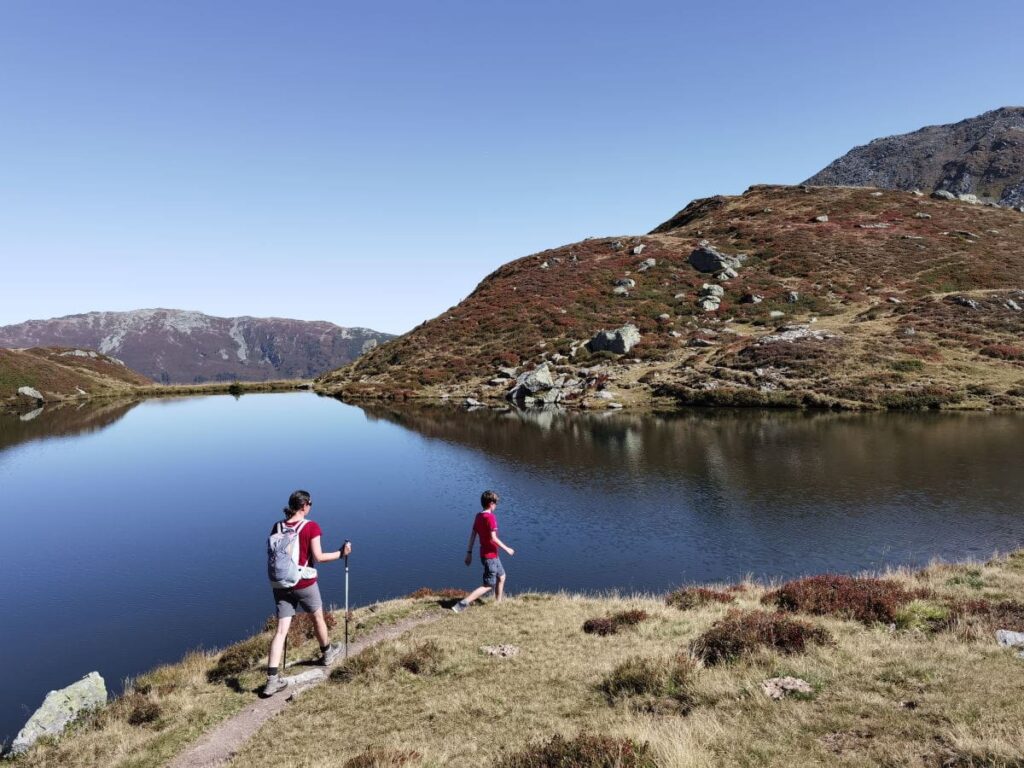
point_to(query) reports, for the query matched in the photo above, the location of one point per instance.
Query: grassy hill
(59, 373)
(901, 670)
(908, 302)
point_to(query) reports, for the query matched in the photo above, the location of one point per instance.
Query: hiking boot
(332, 652)
(274, 684)
(460, 606)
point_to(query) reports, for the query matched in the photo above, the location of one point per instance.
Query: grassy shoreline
(903, 671)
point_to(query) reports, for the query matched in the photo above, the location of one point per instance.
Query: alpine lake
(136, 532)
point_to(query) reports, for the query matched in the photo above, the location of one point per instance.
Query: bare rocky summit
(179, 347)
(982, 156)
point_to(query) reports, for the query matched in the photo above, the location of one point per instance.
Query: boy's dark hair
(296, 501)
(487, 498)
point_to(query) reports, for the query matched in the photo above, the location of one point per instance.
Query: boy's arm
(500, 543)
(469, 546)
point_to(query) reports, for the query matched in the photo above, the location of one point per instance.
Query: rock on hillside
(981, 156)
(896, 301)
(177, 347)
(28, 376)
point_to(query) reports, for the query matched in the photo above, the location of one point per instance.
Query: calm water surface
(136, 533)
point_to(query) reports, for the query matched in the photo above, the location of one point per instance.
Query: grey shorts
(289, 600)
(493, 570)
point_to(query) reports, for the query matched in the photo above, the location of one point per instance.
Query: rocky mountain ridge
(981, 156)
(837, 297)
(177, 346)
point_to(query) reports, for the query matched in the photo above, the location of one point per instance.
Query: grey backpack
(283, 557)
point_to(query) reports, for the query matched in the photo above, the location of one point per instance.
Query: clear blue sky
(368, 163)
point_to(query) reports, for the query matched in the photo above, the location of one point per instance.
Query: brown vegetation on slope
(908, 301)
(57, 373)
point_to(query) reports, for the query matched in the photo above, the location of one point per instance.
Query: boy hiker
(486, 527)
(293, 547)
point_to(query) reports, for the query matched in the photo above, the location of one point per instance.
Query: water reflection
(60, 420)
(826, 457)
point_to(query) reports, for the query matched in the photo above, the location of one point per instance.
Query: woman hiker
(300, 538)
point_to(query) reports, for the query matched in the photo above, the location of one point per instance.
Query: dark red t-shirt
(484, 523)
(309, 532)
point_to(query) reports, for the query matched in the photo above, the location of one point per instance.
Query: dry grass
(170, 707)
(905, 697)
(932, 693)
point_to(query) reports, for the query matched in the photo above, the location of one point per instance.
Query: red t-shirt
(484, 523)
(309, 532)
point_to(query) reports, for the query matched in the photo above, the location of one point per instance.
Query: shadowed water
(139, 531)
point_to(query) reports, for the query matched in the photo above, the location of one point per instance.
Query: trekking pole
(346, 605)
(284, 656)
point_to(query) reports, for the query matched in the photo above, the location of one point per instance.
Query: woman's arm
(325, 557)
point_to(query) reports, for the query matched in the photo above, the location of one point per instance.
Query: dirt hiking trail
(218, 746)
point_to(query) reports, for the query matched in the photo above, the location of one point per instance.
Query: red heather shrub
(584, 751)
(630, 618)
(601, 626)
(424, 659)
(1006, 614)
(691, 597)
(741, 633)
(863, 599)
(611, 624)
(1003, 351)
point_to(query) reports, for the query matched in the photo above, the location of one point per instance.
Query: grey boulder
(942, 194)
(60, 708)
(706, 258)
(34, 394)
(1009, 639)
(537, 380)
(619, 341)
(646, 264)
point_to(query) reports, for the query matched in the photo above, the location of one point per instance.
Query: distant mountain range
(180, 347)
(982, 155)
